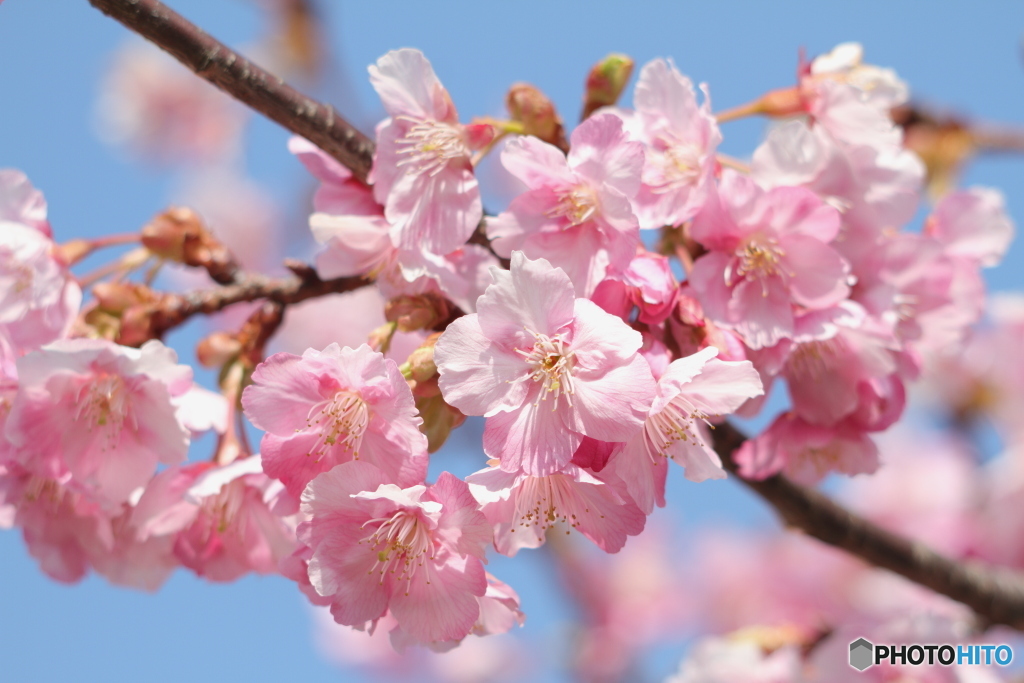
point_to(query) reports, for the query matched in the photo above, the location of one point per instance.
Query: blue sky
(966, 57)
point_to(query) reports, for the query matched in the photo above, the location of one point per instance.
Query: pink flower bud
(605, 82)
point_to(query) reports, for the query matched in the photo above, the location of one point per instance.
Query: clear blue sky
(966, 56)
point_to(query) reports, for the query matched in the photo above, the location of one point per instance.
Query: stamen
(545, 501)
(676, 166)
(430, 145)
(341, 420)
(402, 544)
(551, 363)
(677, 422)
(578, 205)
(103, 402)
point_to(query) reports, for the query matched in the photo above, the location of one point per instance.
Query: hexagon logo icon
(861, 651)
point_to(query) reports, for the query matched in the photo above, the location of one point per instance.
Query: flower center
(577, 206)
(676, 422)
(223, 507)
(545, 501)
(428, 146)
(341, 420)
(551, 363)
(104, 403)
(402, 543)
(677, 166)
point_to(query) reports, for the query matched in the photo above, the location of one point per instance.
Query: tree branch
(996, 595)
(175, 309)
(319, 123)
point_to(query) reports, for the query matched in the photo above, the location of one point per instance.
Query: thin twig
(996, 595)
(319, 123)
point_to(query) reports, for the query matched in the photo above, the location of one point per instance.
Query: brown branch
(319, 123)
(174, 309)
(996, 595)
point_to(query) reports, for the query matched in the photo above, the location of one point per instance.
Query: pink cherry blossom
(415, 552)
(339, 192)
(544, 368)
(332, 406)
(422, 173)
(22, 203)
(769, 253)
(722, 660)
(648, 284)
(100, 413)
(973, 224)
(807, 452)
(38, 296)
(155, 107)
(522, 507)
(220, 520)
(679, 139)
(576, 211)
(693, 390)
(878, 86)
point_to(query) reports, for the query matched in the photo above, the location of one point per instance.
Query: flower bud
(167, 234)
(218, 349)
(416, 312)
(117, 297)
(536, 113)
(605, 83)
(420, 366)
(380, 338)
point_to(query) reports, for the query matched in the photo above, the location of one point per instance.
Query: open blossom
(692, 391)
(522, 507)
(332, 406)
(680, 138)
(377, 547)
(723, 660)
(972, 224)
(807, 452)
(544, 368)
(768, 253)
(577, 211)
(422, 172)
(219, 519)
(38, 296)
(100, 413)
(22, 203)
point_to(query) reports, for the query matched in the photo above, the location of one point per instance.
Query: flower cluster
(591, 358)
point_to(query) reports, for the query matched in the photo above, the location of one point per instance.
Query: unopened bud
(217, 349)
(420, 366)
(117, 297)
(605, 83)
(536, 113)
(416, 312)
(480, 133)
(782, 103)
(380, 338)
(439, 418)
(167, 234)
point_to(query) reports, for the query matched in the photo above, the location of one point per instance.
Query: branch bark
(319, 123)
(996, 595)
(175, 309)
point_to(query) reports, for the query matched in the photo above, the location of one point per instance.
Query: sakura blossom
(768, 253)
(576, 212)
(100, 414)
(544, 367)
(680, 139)
(221, 521)
(328, 407)
(414, 551)
(692, 391)
(523, 507)
(422, 175)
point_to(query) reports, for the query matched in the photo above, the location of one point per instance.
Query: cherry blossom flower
(679, 139)
(722, 660)
(100, 413)
(972, 224)
(692, 391)
(220, 520)
(422, 173)
(22, 203)
(806, 452)
(769, 253)
(544, 368)
(648, 284)
(332, 406)
(878, 86)
(577, 211)
(522, 507)
(38, 296)
(415, 552)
